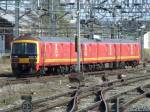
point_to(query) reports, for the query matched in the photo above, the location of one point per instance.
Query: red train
(31, 55)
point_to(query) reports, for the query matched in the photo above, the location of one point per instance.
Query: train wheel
(50, 70)
(62, 69)
(90, 68)
(121, 65)
(116, 65)
(42, 71)
(102, 66)
(127, 64)
(82, 68)
(72, 68)
(58, 70)
(134, 64)
(17, 75)
(69, 71)
(97, 67)
(94, 67)
(66, 69)
(111, 66)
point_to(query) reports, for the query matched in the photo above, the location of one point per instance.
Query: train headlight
(32, 60)
(15, 60)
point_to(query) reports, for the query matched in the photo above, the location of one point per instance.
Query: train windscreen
(24, 49)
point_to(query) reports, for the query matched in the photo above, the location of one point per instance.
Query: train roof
(72, 39)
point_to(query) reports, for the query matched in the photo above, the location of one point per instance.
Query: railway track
(110, 102)
(9, 79)
(99, 97)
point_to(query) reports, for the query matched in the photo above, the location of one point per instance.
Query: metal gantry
(97, 15)
(105, 18)
(78, 37)
(16, 30)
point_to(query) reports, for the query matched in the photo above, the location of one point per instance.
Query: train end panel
(25, 56)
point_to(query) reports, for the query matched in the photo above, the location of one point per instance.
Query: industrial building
(6, 36)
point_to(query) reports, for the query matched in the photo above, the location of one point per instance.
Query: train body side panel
(91, 53)
(101, 52)
(128, 52)
(137, 50)
(118, 52)
(73, 53)
(125, 52)
(110, 55)
(63, 53)
(84, 52)
(113, 52)
(106, 52)
(59, 54)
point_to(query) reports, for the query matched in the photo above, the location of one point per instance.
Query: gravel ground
(118, 90)
(5, 68)
(58, 109)
(85, 102)
(10, 95)
(141, 106)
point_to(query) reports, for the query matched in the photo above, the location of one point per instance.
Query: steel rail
(97, 87)
(132, 101)
(110, 98)
(93, 106)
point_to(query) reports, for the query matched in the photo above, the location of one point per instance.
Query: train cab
(24, 56)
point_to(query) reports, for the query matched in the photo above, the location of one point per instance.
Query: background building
(147, 40)
(6, 36)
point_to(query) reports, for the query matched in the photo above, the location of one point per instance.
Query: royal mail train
(58, 55)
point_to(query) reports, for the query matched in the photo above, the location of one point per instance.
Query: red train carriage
(30, 55)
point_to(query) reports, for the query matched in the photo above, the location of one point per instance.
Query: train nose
(15, 60)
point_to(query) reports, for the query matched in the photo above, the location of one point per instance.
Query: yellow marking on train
(23, 60)
(106, 58)
(26, 60)
(38, 52)
(127, 57)
(25, 41)
(91, 59)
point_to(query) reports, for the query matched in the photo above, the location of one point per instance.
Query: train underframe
(21, 69)
(64, 69)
